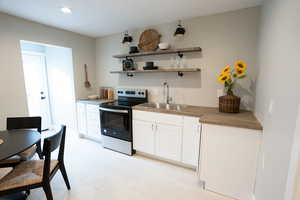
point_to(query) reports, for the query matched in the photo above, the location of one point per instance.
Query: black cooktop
(127, 98)
(120, 104)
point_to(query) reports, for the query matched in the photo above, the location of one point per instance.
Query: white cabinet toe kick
(225, 157)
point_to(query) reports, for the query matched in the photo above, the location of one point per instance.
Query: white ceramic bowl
(163, 46)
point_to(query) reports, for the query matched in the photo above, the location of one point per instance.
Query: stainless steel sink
(175, 107)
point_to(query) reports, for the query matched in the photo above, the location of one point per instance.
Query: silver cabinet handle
(113, 110)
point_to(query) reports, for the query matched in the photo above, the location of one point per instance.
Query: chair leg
(47, 190)
(39, 150)
(27, 192)
(64, 174)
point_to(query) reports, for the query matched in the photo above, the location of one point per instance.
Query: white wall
(297, 186)
(224, 39)
(12, 88)
(278, 96)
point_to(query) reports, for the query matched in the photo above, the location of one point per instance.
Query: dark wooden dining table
(14, 142)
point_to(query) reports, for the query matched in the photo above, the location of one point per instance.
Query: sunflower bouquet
(229, 76)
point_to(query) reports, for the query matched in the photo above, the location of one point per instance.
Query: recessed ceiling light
(66, 10)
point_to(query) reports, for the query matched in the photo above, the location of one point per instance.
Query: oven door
(116, 123)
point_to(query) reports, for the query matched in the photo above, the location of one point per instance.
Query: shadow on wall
(247, 100)
(168, 57)
(188, 80)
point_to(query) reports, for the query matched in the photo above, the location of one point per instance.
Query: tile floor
(97, 173)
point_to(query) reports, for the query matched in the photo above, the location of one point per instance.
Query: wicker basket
(229, 104)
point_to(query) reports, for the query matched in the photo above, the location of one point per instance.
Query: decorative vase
(229, 103)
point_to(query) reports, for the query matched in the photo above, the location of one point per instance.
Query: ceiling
(103, 17)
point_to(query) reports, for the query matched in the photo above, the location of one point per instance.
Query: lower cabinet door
(143, 136)
(93, 121)
(168, 141)
(229, 159)
(191, 141)
(81, 118)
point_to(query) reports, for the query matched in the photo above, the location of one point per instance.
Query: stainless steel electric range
(116, 119)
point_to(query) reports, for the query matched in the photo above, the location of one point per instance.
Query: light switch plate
(271, 106)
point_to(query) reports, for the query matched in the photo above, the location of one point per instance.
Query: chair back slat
(24, 123)
(50, 144)
(55, 140)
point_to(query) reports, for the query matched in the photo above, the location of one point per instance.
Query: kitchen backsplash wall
(224, 38)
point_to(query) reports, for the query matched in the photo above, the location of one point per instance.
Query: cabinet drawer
(169, 119)
(158, 117)
(92, 108)
(143, 115)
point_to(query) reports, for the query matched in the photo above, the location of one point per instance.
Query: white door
(34, 66)
(143, 136)
(168, 141)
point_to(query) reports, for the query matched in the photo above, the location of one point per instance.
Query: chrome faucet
(167, 97)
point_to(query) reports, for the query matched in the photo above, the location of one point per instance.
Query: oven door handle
(113, 110)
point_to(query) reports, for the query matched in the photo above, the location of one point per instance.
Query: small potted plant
(231, 103)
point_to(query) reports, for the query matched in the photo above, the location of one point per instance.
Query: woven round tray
(149, 40)
(229, 104)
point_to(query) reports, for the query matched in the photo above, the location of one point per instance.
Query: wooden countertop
(209, 115)
(94, 101)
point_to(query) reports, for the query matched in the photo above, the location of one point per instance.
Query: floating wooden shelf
(160, 52)
(180, 71)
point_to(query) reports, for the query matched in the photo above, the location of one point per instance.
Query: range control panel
(137, 93)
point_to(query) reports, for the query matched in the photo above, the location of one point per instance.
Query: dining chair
(23, 123)
(38, 173)
(27, 123)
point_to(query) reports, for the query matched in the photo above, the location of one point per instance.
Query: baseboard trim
(157, 158)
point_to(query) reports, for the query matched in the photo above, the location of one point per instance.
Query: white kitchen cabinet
(168, 141)
(88, 119)
(81, 118)
(143, 136)
(191, 140)
(167, 136)
(93, 121)
(228, 160)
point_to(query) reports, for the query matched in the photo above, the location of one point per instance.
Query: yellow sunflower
(240, 65)
(224, 77)
(226, 69)
(239, 71)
